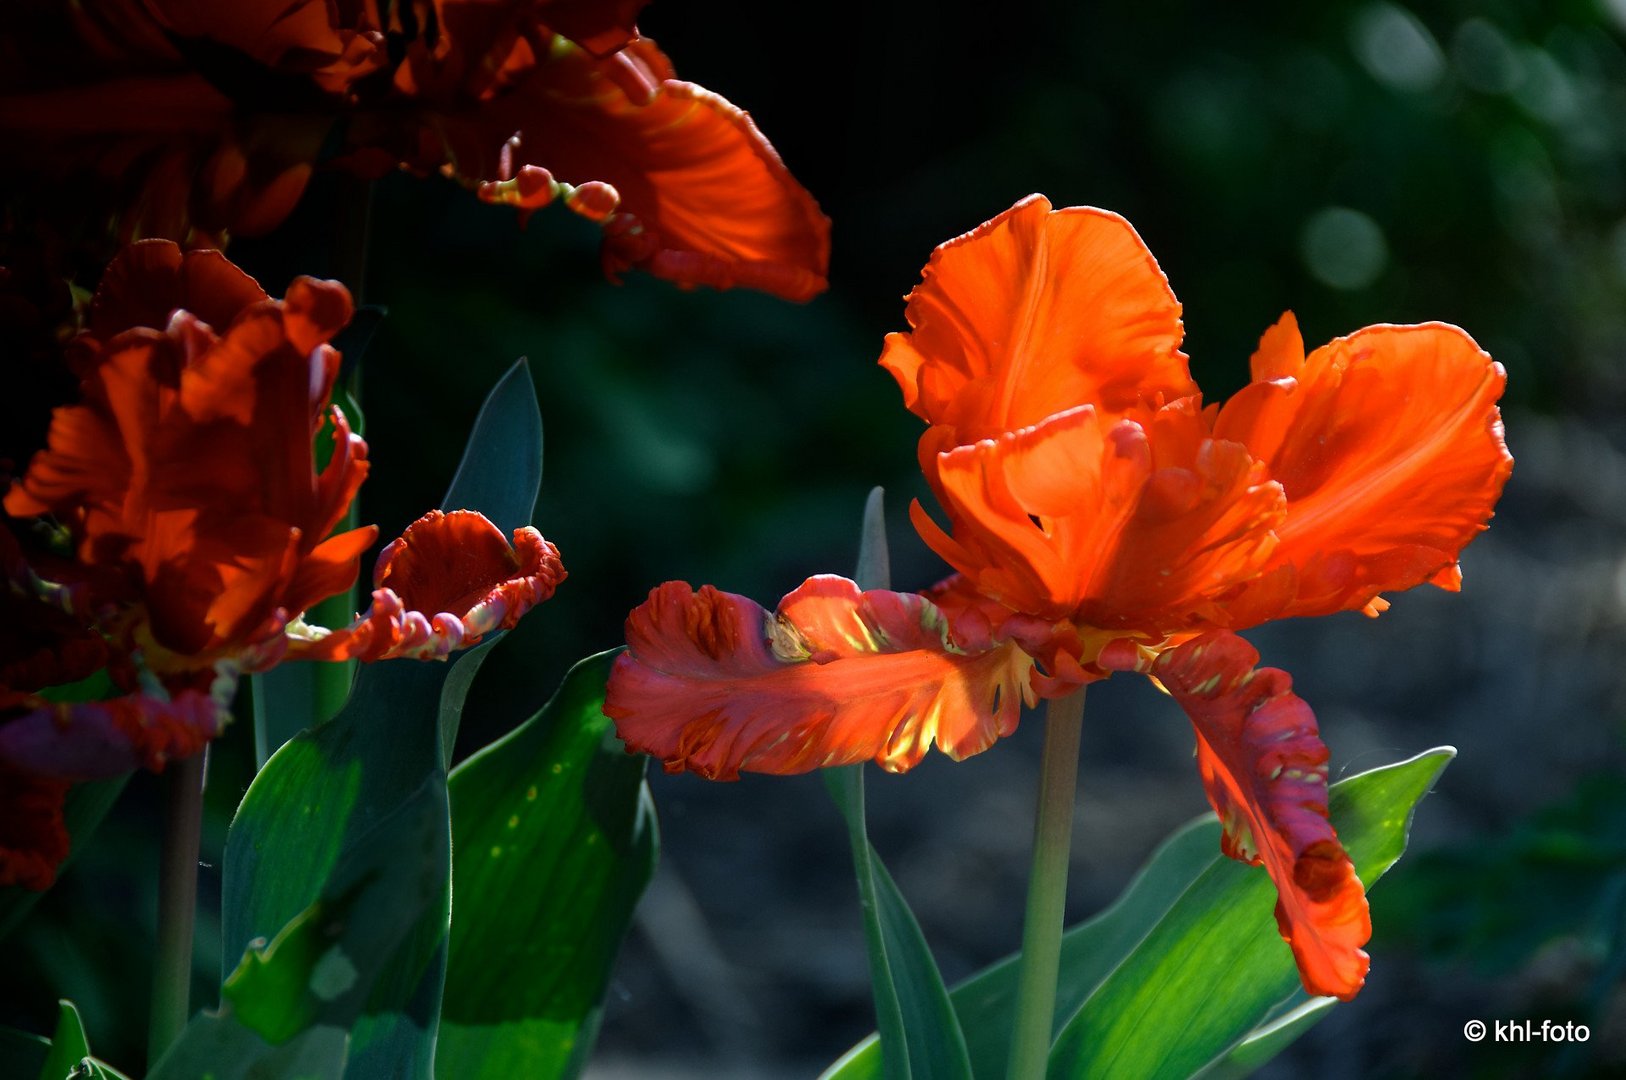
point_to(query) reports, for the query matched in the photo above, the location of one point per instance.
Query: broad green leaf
(919, 1032)
(291, 1001)
(1271, 1038)
(1215, 964)
(83, 811)
(1194, 926)
(320, 965)
(220, 1047)
(554, 840)
(335, 782)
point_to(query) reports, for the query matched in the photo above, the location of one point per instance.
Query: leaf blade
(558, 813)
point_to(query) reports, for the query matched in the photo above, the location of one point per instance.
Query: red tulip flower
(201, 121)
(198, 530)
(1101, 518)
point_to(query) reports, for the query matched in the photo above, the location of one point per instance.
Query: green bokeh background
(1354, 162)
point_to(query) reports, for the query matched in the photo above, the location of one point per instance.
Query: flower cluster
(1102, 518)
(202, 121)
(177, 527)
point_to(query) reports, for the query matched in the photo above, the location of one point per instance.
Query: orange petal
(1034, 313)
(1119, 525)
(1265, 770)
(713, 683)
(33, 836)
(1389, 446)
(449, 580)
(704, 199)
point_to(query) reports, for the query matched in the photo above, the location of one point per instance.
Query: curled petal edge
(496, 585)
(1264, 767)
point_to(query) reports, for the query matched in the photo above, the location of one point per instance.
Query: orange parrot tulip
(1101, 518)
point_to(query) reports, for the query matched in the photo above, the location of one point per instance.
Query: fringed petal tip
(33, 836)
(445, 583)
(95, 740)
(1265, 770)
(714, 684)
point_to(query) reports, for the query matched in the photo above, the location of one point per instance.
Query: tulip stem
(1047, 889)
(177, 903)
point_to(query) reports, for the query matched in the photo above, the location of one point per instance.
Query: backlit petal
(449, 580)
(1034, 313)
(1265, 770)
(715, 684)
(33, 836)
(690, 190)
(1389, 446)
(1120, 525)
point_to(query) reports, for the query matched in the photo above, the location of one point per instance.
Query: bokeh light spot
(1396, 48)
(1343, 248)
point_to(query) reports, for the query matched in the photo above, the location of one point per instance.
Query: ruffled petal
(688, 188)
(33, 835)
(1264, 767)
(449, 580)
(94, 740)
(714, 684)
(150, 279)
(1389, 446)
(1119, 524)
(1034, 313)
(189, 465)
(306, 38)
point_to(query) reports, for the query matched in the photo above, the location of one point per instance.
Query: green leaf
(554, 841)
(1271, 1038)
(322, 971)
(1215, 964)
(68, 1044)
(322, 793)
(65, 1057)
(1192, 943)
(501, 471)
(334, 783)
(83, 810)
(220, 1047)
(919, 1032)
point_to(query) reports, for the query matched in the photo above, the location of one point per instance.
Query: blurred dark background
(1355, 162)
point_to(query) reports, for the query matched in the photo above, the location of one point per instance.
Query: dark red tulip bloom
(203, 121)
(199, 530)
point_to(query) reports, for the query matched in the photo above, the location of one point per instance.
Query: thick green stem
(177, 904)
(1047, 889)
